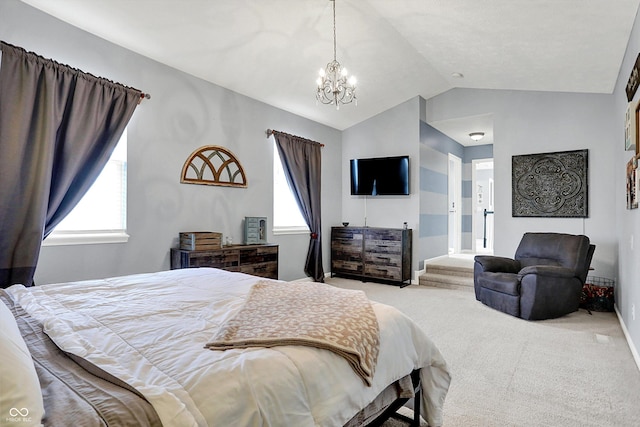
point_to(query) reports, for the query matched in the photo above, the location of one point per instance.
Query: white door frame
(474, 201)
(454, 203)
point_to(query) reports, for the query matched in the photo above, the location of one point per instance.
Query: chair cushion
(505, 303)
(497, 263)
(505, 283)
(559, 249)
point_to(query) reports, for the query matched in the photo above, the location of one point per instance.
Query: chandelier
(334, 84)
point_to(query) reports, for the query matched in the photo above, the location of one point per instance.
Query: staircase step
(446, 281)
(452, 272)
(449, 270)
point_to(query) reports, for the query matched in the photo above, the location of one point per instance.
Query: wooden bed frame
(391, 411)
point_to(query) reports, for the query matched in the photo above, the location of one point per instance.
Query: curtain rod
(270, 132)
(142, 94)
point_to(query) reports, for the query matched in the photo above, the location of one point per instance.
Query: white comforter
(150, 331)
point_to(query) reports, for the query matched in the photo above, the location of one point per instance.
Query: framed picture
(634, 79)
(550, 184)
(636, 147)
(631, 126)
(632, 183)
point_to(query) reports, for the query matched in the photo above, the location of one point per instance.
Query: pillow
(20, 394)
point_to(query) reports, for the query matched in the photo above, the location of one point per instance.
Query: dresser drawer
(262, 269)
(384, 272)
(383, 246)
(347, 267)
(347, 234)
(221, 260)
(383, 234)
(385, 259)
(258, 254)
(342, 250)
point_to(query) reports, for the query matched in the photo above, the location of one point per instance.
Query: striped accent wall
(433, 181)
(434, 159)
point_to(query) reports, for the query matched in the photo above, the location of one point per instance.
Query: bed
(140, 341)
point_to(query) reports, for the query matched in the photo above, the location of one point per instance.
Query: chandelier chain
(334, 30)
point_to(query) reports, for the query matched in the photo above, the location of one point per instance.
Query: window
(101, 215)
(287, 218)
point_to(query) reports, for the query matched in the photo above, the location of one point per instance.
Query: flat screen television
(380, 176)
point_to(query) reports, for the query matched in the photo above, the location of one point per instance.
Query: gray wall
(626, 222)
(394, 132)
(539, 122)
(183, 114)
(434, 187)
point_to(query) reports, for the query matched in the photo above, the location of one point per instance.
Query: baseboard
(634, 351)
(416, 276)
(306, 279)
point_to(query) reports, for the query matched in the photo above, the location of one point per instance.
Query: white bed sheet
(150, 331)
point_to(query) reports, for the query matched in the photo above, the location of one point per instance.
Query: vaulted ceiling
(398, 49)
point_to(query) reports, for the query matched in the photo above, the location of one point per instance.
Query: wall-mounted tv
(380, 176)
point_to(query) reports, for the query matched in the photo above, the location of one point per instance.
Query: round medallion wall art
(550, 184)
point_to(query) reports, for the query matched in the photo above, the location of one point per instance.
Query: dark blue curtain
(58, 128)
(301, 160)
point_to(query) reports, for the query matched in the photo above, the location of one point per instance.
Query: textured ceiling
(398, 49)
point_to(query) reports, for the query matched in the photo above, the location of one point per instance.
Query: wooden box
(200, 240)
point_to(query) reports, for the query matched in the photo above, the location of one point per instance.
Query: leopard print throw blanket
(310, 314)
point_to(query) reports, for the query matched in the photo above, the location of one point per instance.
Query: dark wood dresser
(258, 260)
(370, 253)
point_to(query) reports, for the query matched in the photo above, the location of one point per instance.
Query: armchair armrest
(548, 291)
(498, 264)
(548, 271)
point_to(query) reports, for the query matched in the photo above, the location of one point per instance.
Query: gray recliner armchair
(543, 281)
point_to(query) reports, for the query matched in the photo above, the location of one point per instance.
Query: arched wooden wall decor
(213, 165)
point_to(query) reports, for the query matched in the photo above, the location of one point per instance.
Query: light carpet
(573, 371)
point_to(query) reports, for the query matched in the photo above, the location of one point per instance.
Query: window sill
(85, 238)
(290, 230)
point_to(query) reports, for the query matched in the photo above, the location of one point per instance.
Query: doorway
(454, 203)
(483, 207)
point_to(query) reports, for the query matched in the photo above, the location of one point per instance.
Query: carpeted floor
(457, 260)
(573, 371)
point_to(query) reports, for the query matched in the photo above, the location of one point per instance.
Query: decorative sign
(213, 165)
(634, 80)
(630, 126)
(632, 183)
(550, 185)
(637, 134)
